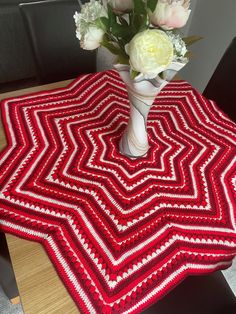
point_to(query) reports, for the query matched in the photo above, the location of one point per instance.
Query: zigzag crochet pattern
(121, 232)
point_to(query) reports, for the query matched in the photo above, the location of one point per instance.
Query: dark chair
(222, 88)
(7, 276)
(207, 294)
(51, 29)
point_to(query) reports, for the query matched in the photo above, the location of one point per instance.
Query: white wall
(215, 20)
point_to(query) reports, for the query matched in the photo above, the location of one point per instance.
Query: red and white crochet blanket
(121, 232)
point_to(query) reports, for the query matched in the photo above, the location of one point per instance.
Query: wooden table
(41, 290)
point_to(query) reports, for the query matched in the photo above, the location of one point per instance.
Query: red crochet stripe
(121, 232)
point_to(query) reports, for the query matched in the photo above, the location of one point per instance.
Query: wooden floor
(41, 290)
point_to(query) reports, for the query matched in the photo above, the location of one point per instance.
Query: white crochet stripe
(71, 276)
(222, 178)
(26, 97)
(13, 139)
(25, 230)
(214, 127)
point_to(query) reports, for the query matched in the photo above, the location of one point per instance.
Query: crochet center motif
(121, 232)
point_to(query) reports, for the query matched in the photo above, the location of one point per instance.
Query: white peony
(92, 38)
(150, 52)
(170, 14)
(89, 34)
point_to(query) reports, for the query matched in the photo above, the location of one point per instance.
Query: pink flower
(170, 14)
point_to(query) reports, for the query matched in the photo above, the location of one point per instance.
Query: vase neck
(140, 103)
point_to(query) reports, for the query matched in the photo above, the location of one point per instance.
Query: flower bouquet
(144, 36)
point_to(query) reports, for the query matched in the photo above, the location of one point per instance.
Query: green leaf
(121, 31)
(161, 75)
(133, 74)
(111, 15)
(111, 47)
(102, 23)
(139, 17)
(105, 21)
(139, 23)
(115, 49)
(139, 7)
(191, 39)
(151, 4)
(188, 54)
(123, 59)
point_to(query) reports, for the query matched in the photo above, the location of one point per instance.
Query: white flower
(179, 45)
(92, 38)
(121, 6)
(150, 52)
(170, 14)
(89, 34)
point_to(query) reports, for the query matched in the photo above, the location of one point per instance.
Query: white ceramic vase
(141, 92)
